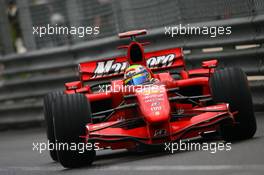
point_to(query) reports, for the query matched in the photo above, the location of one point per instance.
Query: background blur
(112, 16)
(31, 66)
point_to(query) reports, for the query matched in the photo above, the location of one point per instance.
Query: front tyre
(230, 85)
(71, 114)
(48, 102)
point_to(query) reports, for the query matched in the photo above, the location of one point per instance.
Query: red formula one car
(181, 104)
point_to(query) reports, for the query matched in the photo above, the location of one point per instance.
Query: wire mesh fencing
(110, 16)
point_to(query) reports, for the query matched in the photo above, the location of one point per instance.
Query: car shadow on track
(118, 158)
(113, 158)
(124, 156)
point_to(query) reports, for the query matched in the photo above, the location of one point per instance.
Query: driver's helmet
(136, 75)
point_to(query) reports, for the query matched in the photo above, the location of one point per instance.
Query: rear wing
(107, 68)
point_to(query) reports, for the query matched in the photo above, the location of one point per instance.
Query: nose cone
(153, 103)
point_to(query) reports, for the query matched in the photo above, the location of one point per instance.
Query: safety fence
(112, 16)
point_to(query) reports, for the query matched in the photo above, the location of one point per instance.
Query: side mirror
(209, 64)
(73, 85)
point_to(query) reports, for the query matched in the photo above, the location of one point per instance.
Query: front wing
(117, 135)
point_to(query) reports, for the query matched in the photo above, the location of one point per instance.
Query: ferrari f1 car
(181, 104)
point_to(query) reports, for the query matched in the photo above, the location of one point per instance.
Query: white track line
(255, 78)
(255, 167)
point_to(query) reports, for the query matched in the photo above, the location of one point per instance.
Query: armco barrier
(27, 77)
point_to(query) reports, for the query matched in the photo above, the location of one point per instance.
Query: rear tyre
(71, 114)
(48, 101)
(230, 85)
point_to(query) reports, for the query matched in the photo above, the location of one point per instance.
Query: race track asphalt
(244, 158)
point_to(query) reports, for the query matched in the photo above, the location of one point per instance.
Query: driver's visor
(137, 79)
